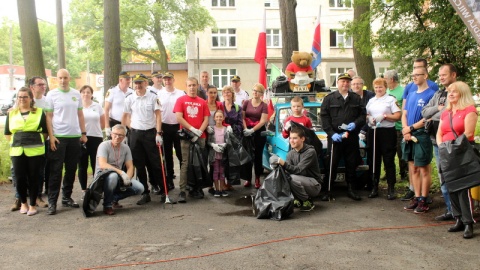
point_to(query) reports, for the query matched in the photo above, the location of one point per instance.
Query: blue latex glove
(351, 126)
(337, 137)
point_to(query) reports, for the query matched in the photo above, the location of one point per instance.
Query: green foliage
(4, 158)
(142, 23)
(422, 28)
(5, 26)
(177, 47)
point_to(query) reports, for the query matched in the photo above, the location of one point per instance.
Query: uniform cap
(345, 76)
(140, 78)
(235, 78)
(124, 74)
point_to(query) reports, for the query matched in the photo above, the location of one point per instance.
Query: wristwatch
(412, 128)
(84, 133)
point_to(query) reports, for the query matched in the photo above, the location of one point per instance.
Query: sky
(45, 9)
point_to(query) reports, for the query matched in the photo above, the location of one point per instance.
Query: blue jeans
(443, 188)
(112, 192)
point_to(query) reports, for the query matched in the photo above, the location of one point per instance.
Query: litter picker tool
(167, 199)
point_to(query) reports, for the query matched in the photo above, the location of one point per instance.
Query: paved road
(220, 233)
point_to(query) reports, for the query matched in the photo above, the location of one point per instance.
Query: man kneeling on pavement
(302, 165)
(112, 156)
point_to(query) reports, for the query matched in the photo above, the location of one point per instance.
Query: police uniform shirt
(168, 100)
(142, 109)
(65, 106)
(116, 97)
(153, 88)
(240, 97)
(386, 104)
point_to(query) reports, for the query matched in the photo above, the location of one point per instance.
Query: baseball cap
(168, 75)
(345, 76)
(157, 74)
(235, 78)
(124, 74)
(140, 78)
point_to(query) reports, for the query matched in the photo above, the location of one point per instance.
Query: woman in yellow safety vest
(23, 128)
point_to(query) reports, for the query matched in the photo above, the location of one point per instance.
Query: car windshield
(311, 112)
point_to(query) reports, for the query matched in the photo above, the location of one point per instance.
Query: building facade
(229, 48)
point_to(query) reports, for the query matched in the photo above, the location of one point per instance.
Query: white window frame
(272, 34)
(273, 4)
(340, 4)
(225, 35)
(340, 40)
(334, 72)
(223, 3)
(222, 76)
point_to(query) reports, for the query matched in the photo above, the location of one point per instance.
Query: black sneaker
(211, 191)
(421, 208)
(297, 203)
(413, 205)
(182, 197)
(69, 202)
(52, 209)
(408, 196)
(444, 217)
(307, 206)
(144, 199)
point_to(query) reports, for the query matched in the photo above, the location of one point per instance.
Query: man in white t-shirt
(66, 130)
(157, 79)
(114, 101)
(240, 94)
(143, 108)
(168, 97)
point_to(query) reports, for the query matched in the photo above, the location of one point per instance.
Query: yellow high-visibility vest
(27, 136)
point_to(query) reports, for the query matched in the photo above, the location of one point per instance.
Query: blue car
(280, 146)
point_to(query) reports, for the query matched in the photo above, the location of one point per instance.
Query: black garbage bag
(274, 199)
(236, 156)
(94, 193)
(311, 138)
(197, 171)
(249, 146)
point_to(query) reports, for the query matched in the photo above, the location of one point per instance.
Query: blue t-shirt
(411, 87)
(415, 103)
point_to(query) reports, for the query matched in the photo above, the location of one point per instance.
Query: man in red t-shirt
(192, 114)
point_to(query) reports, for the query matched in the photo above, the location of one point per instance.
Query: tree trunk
(363, 61)
(60, 36)
(288, 20)
(31, 44)
(157, 35)
(111, 39)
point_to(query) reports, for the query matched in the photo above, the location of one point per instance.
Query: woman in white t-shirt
(382, 113)
(94, 124)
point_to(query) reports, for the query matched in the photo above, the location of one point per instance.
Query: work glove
(217, 148)
(371, 121)
(274, 161)
(108, 132)
(351, 126)
(337, 137)
(195, 131)
(229, 129)
(126, 179)
(248, 132)
(288, 125)
(210, 130)
(159, 140)
(362, 136)
(379, 119)
(194, 139)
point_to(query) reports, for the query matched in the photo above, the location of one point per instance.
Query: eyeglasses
(357, 83)
(118, 135)
(416, 75)
(22, 97)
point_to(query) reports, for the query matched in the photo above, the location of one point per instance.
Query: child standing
(217, 143)
(296, 105)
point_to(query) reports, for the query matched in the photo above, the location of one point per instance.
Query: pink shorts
(218, 170)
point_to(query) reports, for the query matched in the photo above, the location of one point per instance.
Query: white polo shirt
(153, 88)
(386, 104)
(168, 100)
(240, 97)
(116, 97)
(41, 102)
(92, 117)
(65, 106)
(142, 109)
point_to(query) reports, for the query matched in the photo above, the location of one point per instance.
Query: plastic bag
(274, 199)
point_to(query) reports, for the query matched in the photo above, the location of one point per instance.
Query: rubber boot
(391, 192)
(257, 182)
(458, 225)
(468, 233)
(351, 194)
(374, 192)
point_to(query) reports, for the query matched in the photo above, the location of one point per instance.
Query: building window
(341, 3)
(271, 3)
(274, 38)
(223, 3)
(334, 72)
(338, 40)
(224, 38)
(222, 76)
(381, 71)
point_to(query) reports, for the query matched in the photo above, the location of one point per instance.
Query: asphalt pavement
(221, 233)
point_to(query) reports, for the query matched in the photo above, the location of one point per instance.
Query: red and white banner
(469, 11)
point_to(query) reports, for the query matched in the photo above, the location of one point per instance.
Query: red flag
(261, 53)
